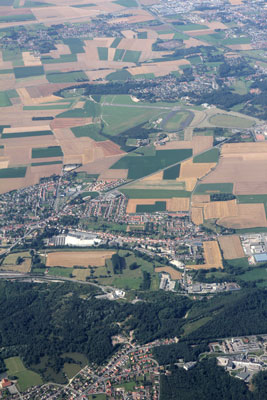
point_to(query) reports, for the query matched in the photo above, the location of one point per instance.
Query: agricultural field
(149, 164)
(84, 258)
(231, 247)
(43, 152)
(17, 262)
(26, 377)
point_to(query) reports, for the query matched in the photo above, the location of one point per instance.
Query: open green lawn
(119, 119)
(15, 135)
(154, 193)
(206, 188)
(175, 121)
(230, 121)
(58, 271)
(192, 326)
(90, 109)
(141, 166)
(91, 130)
(102, 53)
(4, 100)
(254, 275)
(13, 172)
(65, 77)
(43, 152)
(210, 156)
(26, 72)
(26, 378)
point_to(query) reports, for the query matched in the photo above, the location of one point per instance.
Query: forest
(52, 319)
(207, 381)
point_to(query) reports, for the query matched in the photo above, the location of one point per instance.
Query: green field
(151, 208)
(17, 18)
(60, 271)
(191, 27)
(90, 109)
(15, 135)
(175, 121)
(239, 40)
(230, 121)
(142, 35)
(4, 100)
(207, 188)
(141, 166)
(39, 164)
(26, 72)
(11, 55)
(214, 38)
(120, 75)
(6, 71)
(154, 193)
(126, 3)
(26, 378)
(13, 172)
(194, 60)
(210, 156)
(43, 152)
(75, 45)
(131, 56)
(63, 58)
(115, 42)
(65, 77)
(119, 119)
(119, 53)
(48, 107)
(254, 275)
(102, 53)
(172, 172)
(91, 130)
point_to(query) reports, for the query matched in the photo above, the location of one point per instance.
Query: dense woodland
(207, 381)
(51, 319)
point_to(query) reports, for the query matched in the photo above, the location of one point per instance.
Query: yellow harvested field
(190, 183)
(189, 169)
(132, 203)
(158, 69)
(201, 198)
(220, 209)
(197, 215)
(236, 2)
(240, 148)
(192, 42)
(177, 204)
(175, 275)
(30, 59)
(68, 259)
(215, 24)
(176, 144)
(27, 129)
(248, 216)
(113, 174)
(231, 247)
(128, 34)
(81, 274)
(212, 254)
(200, 143)
(240, 46)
